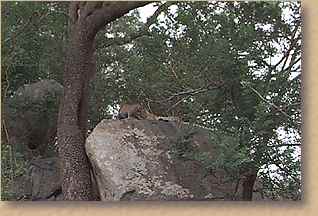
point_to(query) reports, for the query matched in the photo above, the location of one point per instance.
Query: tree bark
(72, 126)
(86, 19)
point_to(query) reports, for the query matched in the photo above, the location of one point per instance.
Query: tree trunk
(72, 127)
(86, 19)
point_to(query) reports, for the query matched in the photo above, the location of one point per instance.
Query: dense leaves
(234, 67)
(33, 39)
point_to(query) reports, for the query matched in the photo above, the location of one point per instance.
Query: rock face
(40, 181)
(31, 118)
(144, 160)
(45, 176)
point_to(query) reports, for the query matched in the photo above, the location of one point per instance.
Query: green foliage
(33, 41)
(228, 55)
(228, 154)
(231, 155)
(183, 148)
(12, 166)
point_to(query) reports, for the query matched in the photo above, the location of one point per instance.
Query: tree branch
(178, 102)
(73, 15)
(122, 41)
(265, 100)
(142, 32)
(286, 171)
(152, 19)
(277, 162)
(282, 145)
(191, 92)
(87, 8)
(293, 41)
(292, 64)
(110, 11)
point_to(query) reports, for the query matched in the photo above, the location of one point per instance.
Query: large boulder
(31, 118)
(144, 160)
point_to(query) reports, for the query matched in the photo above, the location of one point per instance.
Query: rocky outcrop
(156, 160)
(143, 160)
(40, 182)
(31, 118)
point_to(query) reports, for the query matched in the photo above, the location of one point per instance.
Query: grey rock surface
(31, 118)
(138, 160)
(41, 179)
